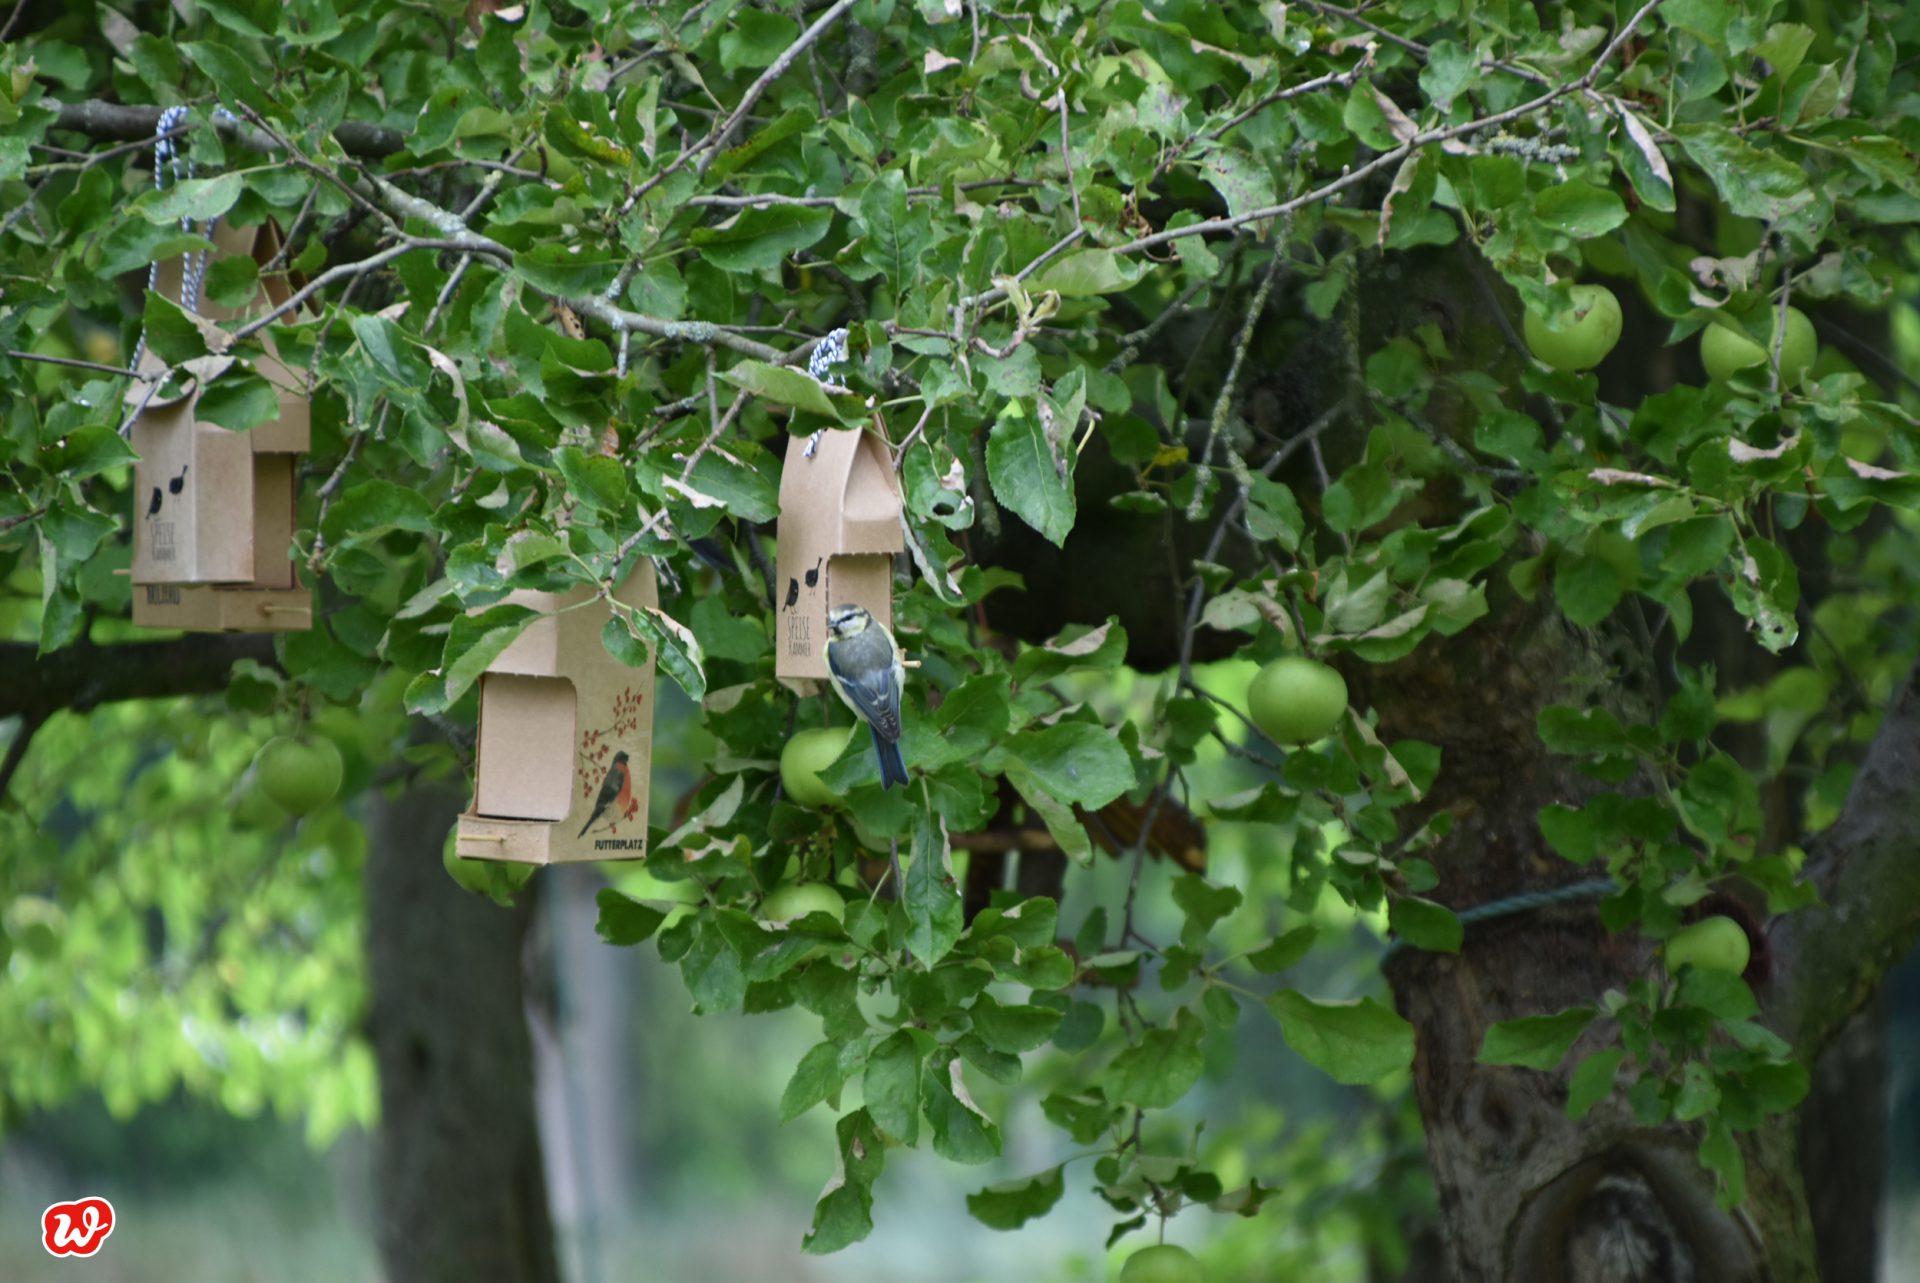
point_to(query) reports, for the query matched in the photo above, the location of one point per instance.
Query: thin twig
(17, 751)
(1066, 154)
(900, 451)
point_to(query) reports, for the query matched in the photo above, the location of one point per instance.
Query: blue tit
(864, 663)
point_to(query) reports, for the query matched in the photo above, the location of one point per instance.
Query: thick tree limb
(85, 676)
(124, 123)
(1867, 867)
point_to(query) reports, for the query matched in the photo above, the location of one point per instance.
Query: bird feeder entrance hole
(215, 510)
(565, 748)
(839, 530)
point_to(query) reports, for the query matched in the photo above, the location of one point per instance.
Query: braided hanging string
(1525, 902)
(170, 159)
(829, 352)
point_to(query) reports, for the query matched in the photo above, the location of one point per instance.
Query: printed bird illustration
(863, 662)
(793, 593)
(174, 484)
(615, 790)
(153, 504)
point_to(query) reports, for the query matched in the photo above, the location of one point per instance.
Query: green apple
(1584, 338)
(251, 808)
(301, 775)
(806, 755)
(472, 875)
(495, 879)
(1712, 944)
(798, 899)
(1162, 1263)
(1297, 700)
(1724, 350)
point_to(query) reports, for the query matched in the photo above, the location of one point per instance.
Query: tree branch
(124, 123)
(83, 677)
(1833, 955)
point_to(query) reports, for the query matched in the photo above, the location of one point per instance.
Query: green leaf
(670, 642)
(762, 237)
(782, 385)
(1162, 1067)
(88, 451)
(1571, 833)
(373, 508)
(892, 1084)
(197, 199)
(1593, 1081)
(560, 271)
(932, 900)
(230, 73)
(238, 400)
(1011, 1204)
(1721, 992)
(1581, 732)
(1755, 183)
(1204, 904)
(961, 1132)
(1284, 950)
(1353, 1042)
(820, 1074)
(1587, 589)
(712, 969)
(1535, 1042)
(844, 1214)
(1031, 473)
(1085, 272)
(173, 334)
(1074, 762)
(1425, 925)
(1579, 209)
(1720, 1154)
(597, 481)
(1013, 1029)
(624, 920)
(1451, 67)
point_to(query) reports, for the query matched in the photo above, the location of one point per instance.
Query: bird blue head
(848, 621)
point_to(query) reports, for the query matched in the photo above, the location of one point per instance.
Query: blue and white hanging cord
(1525, 902)
(830, 351)
(170, 158)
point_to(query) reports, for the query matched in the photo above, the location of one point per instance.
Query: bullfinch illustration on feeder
(615, 791)
(863, 663)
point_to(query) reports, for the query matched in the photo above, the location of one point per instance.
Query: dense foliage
(567, 263)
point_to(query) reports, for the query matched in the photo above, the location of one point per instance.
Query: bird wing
(878, 701)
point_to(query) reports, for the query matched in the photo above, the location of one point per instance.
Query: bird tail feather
(893, 768)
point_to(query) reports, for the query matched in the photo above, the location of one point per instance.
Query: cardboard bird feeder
(214, 510)
(839, 530)
(566, 738)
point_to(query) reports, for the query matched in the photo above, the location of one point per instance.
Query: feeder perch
(839, 531)
(214, 510)
(566, 738)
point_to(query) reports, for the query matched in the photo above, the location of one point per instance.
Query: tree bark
(1525, 1193)
(461, 1191)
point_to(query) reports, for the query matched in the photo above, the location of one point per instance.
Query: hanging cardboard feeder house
(214, 510)
(566, 738)
(839, 531)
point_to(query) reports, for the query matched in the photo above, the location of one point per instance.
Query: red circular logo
(77, 1228)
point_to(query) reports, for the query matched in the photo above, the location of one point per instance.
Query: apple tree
(1541, 369)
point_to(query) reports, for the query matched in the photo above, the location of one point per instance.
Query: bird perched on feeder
(616, 788)
(863, 662)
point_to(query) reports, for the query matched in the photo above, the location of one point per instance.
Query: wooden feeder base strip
(210, 608)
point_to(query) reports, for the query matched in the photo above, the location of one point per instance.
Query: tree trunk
(1526, 1194)
(461, 1193)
